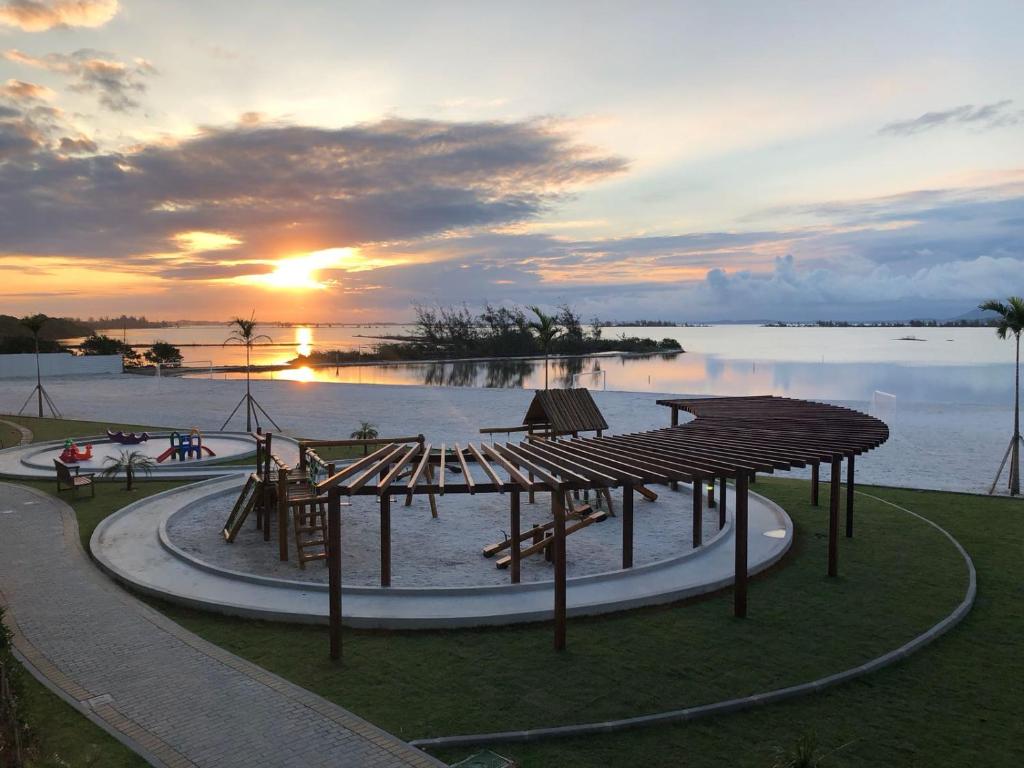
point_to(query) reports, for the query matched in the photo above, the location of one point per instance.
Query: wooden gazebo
(730, 438)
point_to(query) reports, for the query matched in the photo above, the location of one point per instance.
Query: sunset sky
(341, 161)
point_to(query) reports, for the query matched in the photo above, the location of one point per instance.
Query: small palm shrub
(130, 463)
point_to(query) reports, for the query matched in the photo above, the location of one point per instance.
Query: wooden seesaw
(543, 534)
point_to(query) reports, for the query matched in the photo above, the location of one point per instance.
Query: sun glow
(303, 272)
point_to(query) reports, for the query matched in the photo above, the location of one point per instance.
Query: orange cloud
(39, 16)
(19, 90)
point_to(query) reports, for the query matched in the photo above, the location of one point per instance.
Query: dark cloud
(284, 189)
(933, 254)
(995, 115)
(28, 126)
(38, 16)
(77, 146)
(116, 82)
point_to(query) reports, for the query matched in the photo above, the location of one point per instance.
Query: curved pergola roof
(730, 436)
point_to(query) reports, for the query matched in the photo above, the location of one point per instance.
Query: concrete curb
(746, 702)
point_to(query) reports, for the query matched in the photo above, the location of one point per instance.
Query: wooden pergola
(730, 438)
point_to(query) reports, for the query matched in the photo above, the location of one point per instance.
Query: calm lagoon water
(948, 365)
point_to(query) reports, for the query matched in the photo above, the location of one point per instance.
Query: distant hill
(55, 328)
(977, 314)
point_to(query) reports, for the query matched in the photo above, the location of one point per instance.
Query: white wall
(58, 364)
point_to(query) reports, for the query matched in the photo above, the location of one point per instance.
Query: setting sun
(302, 272)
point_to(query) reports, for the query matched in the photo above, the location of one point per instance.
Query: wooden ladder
(309, 526)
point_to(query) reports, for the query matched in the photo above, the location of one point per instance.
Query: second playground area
(174, 453)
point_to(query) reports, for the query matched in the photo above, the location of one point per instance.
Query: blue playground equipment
(183, 447)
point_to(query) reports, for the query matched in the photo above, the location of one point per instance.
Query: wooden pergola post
(558, 513)
(833, 517)
(814, 484)
(515, 525)
(740, 574)
(627, 526)
(849, 496)
(698, 512)
(282, 513)
(385, 538)
(334, 568)
(721, 505)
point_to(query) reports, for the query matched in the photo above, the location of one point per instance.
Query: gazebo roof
(568, 411)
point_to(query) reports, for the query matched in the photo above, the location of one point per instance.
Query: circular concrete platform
(35, 460)
(144, 546)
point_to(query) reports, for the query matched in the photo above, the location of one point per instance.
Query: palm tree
(1011, 321)
(366, 431)
(128, 462)
(35, 324)
(243, 333)
(546, 329)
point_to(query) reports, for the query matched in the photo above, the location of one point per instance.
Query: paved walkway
(171, 696)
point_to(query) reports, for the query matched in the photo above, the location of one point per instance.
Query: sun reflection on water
(304, 340)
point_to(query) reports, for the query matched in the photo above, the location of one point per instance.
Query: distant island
(455, 333)
(955, 323)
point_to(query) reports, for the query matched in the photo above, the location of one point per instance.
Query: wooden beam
(334, 569)
(441, 470)
(558, 513)
(721, 505)
(387, 479)
(849, 496)
(833, 518)
(385, 540)
(627, 526)
(814, 483)
(470, 483)
(505, 464)
(488, 470)
(740, 570)
(698, 512)
(515, 525)
(282, 514)
(353, 468)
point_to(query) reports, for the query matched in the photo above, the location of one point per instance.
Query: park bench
(68, 481)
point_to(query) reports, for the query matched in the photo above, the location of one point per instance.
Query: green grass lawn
(956, 703)
(802, 625)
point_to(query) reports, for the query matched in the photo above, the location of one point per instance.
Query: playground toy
(72, 455)
(130, 439)
(188, 446)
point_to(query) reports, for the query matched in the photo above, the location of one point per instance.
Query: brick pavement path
(166, 693)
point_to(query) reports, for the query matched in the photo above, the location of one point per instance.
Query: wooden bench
(68, 481)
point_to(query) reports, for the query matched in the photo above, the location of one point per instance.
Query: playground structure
(730, 439)
(127, 439)
(73, 455)
(184, 447)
